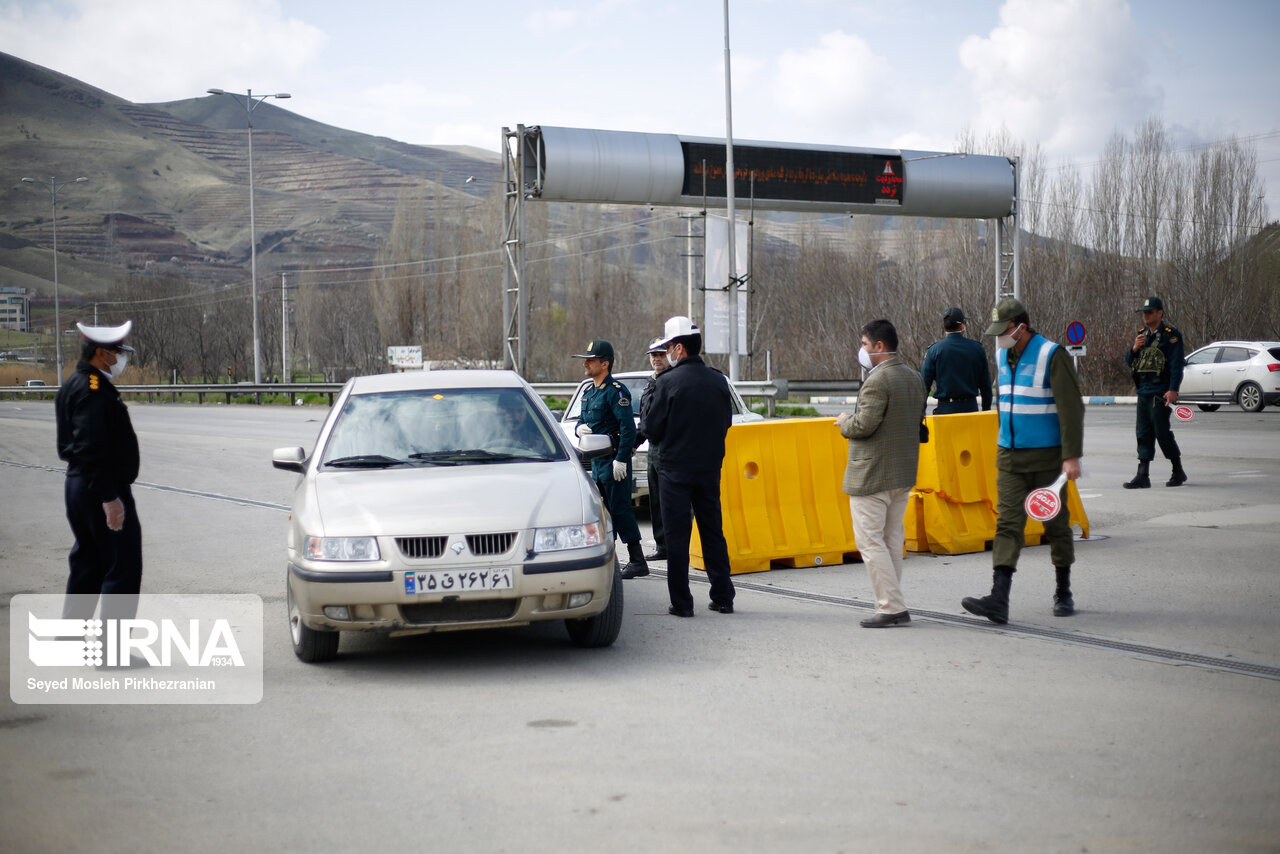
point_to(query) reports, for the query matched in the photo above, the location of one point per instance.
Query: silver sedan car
(444, 500)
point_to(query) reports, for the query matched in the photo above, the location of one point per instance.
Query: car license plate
(459, 580)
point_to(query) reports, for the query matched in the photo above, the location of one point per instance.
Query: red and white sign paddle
(1044, 503)
(1180, 412)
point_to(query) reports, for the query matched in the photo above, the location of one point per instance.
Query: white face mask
(864, 357)
(672, 357)
(122, 362)
(1006, 342)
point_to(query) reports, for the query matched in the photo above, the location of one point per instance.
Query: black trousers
(951, 407)
(617, 499)
(1153, 427)
(685, 497)
(102, 561)
(655, 506)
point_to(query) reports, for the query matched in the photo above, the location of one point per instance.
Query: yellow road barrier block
(781, 496)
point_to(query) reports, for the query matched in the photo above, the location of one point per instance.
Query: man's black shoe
(660, 554)
(723, 608)
(680, 612)
(881, 621)
(635, 570)
(1063, 605)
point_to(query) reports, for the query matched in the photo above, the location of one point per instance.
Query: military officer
(1156, 359)
(96, 438)
(959, 365)
(607, 410)
(658, 360)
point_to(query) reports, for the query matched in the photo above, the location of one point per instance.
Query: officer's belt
(956, 399)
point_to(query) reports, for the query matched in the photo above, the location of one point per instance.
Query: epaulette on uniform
(94, 382)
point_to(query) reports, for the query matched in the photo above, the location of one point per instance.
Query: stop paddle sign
(1044, 503)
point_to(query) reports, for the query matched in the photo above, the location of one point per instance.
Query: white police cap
(676, 327)
(108, 336)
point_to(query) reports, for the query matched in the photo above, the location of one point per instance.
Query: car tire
(602, 629)
(1209, 407)
(309, 645)
(1249, 396)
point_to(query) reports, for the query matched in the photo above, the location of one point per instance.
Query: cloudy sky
(913, 73)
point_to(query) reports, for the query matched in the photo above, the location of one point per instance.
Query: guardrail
(771, 390)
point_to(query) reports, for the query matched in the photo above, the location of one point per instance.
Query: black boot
(636, 565)
(1141, 480)
(1063, 604)
(1179, 476)
(994, 607)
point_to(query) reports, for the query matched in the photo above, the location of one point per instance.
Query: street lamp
(54, 186)
(250, 101)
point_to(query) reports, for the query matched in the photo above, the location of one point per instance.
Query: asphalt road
(783, 727)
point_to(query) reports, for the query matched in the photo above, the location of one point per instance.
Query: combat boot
(1063, 604)
(994, 607)
(636, 565)
(1141, 480)
(1179, 476)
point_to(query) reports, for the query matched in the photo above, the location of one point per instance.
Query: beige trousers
(877, 528)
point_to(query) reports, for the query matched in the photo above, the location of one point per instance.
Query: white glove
(583, 429)
(619, 470)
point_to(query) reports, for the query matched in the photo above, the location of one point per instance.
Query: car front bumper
(376, 600)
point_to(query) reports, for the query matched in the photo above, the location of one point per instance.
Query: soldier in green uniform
(1156, 360)
(607, 410)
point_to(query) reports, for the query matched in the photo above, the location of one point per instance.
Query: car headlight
(342, 548)
(568, 537)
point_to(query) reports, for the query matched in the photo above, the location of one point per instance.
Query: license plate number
(459, 580)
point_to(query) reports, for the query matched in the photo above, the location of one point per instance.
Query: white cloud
(838, 75)
(1064, 72)
(159, 50)
(548, 21)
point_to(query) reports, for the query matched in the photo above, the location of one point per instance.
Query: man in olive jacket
(884, 449)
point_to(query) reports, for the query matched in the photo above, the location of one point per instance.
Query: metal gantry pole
(1008, 244)
(514, 300)
(729, 188)
(54, 186)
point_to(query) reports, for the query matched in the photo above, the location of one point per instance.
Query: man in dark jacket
(96, 438)
(1156, 360)
(959, 366)
(688, 417)
(658, 359)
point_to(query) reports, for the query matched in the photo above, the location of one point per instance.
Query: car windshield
(439, 427)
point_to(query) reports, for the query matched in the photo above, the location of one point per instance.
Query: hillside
(168, 185)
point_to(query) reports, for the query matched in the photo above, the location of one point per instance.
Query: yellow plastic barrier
(781, 496)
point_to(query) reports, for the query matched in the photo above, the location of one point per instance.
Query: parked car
(444, 500)
(1243, 372)
(35, 384)
(635, 382)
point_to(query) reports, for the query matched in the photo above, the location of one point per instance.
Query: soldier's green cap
(597, 349)
(1007, 309)
(1152, 304)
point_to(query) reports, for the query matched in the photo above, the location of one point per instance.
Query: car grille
(490, 544)
(461, 611)
(421, 547)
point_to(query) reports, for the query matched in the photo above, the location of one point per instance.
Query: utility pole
(54, 186)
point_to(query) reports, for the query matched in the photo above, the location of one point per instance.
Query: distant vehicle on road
(1243, 372)
(445, 500)
(635, 382)
(35, 383)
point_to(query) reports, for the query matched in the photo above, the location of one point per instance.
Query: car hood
(468, 498)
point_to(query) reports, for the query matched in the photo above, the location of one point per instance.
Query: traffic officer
(959, 365)
(1156, 361)
(606, 409)
(96, 438)
(658, 360)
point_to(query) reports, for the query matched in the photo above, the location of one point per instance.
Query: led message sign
(794, 174)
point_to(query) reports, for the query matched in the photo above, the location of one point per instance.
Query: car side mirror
(593, 445)
(289, 459)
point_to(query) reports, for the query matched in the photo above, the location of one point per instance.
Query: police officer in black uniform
(658, 359)
(606, 409)
(1156, 360)
(96, 438)
(959, 365)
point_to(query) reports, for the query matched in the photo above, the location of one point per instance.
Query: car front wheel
(1209, 407)
(308, 644)
(602, 629)
(1250, 397)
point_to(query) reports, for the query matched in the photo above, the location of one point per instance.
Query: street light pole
(54, 186)
(250, 102)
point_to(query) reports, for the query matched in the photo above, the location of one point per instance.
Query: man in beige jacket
(884, 448)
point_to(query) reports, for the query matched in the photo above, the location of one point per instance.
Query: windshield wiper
(369, 461)
(461, 456)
